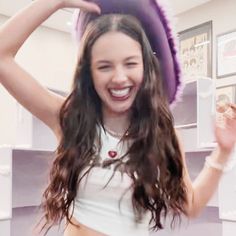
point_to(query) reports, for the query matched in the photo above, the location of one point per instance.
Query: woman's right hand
(225, 128)
(81, 4)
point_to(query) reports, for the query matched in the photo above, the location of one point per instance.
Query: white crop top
(97, 206)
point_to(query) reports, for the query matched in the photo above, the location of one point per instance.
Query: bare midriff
(82, 230)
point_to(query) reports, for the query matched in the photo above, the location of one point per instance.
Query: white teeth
(120, 92)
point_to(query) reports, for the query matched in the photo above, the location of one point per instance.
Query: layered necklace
(115, 140)
(112, 149)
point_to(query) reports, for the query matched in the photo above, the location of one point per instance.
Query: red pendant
(112, 154)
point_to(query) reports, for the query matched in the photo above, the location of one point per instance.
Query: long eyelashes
(130, 65)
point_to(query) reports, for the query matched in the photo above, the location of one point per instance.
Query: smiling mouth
(120, 93)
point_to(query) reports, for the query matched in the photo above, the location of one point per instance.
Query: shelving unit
(24, 167)
(23, 178)
(185, 112)
(6, 190)
(193, 116)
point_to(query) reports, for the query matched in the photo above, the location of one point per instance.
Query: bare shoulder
(179, 137)
(180, 142)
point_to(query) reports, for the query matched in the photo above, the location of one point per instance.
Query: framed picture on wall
(226, 54)
(196, 51)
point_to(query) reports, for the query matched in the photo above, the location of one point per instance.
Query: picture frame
(195, 47)
(226, 54)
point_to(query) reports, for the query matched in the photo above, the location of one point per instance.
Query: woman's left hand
(225, 128)
(81, 4)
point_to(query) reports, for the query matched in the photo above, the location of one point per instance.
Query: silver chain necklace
(115, 134)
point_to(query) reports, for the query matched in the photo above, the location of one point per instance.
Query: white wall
(50, 57)
(222, 14)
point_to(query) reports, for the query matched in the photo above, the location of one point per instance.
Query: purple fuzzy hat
(155, 21)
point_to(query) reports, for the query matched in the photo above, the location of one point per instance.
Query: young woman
(119, 166)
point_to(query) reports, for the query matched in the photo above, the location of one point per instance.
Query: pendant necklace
(113, 152)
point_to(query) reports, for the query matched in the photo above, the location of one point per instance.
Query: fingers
(83, 5)
(89, 6)
(226, 118)
(232, 111)
(231, 123)
(230, 120)
(233, 106)
(222, 107)
(227, 110)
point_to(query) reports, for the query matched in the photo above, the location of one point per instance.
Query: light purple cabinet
(27, 172)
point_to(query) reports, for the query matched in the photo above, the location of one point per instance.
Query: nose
(119, 77)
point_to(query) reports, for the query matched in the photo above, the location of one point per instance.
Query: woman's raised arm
(38, 100)
(201, 190)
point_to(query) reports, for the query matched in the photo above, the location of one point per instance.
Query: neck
(117, 123)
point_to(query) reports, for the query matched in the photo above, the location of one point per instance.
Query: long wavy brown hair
(154, 158)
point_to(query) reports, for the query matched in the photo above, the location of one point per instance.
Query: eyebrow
(132, 57)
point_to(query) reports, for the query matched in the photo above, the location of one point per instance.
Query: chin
(120, 111)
